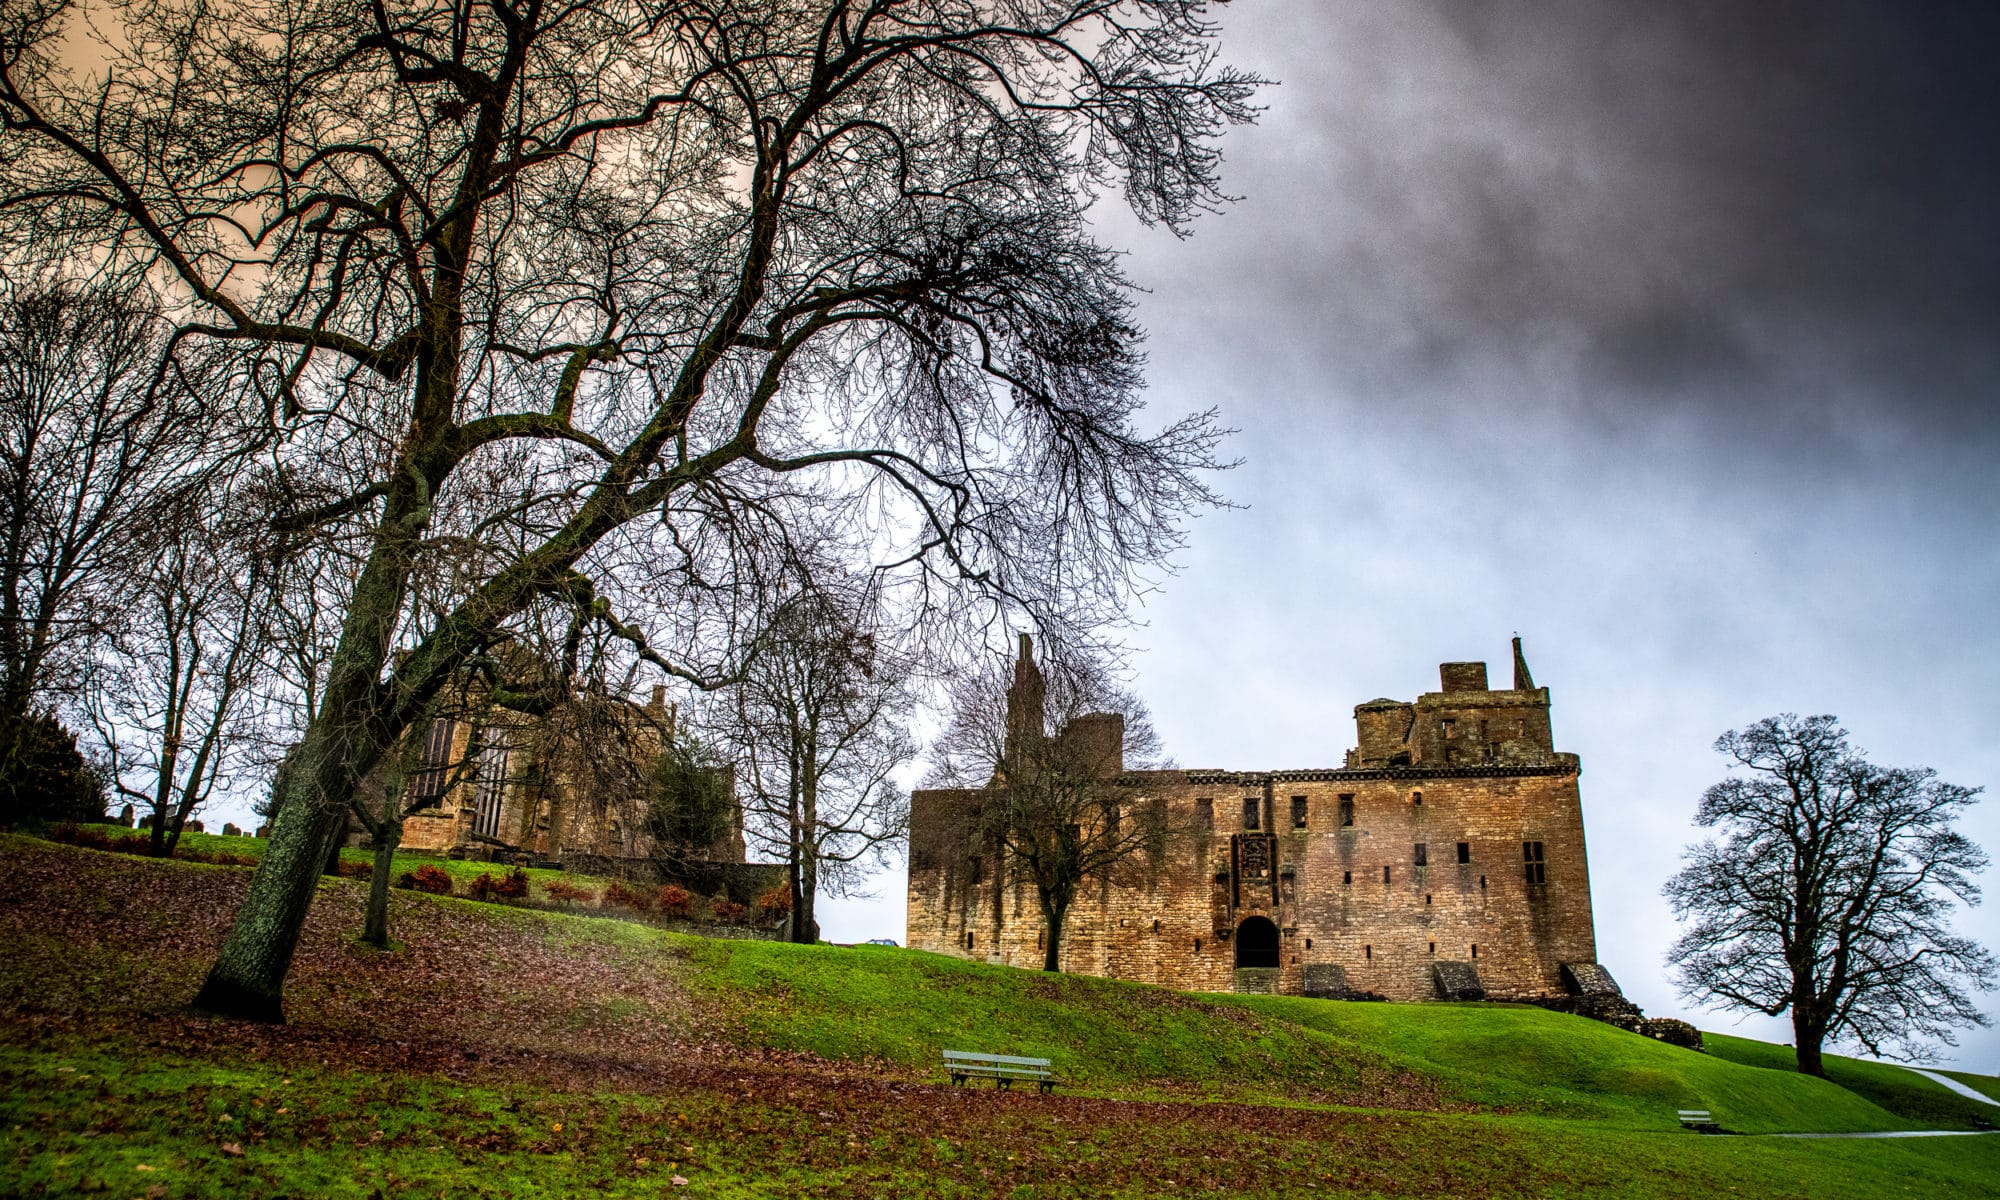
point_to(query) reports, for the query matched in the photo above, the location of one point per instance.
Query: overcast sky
(1660, 333)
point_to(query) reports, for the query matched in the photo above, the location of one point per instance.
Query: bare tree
(92, 448)
(663, 257)
(172, 687)
(818, 727)
(1830, 892)
(1048, 754)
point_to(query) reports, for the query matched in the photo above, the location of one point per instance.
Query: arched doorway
(1256, 943)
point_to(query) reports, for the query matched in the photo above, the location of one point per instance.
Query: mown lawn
(509, 1052)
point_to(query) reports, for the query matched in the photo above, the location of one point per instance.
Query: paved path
(1898, 1133)
(1944, 1080)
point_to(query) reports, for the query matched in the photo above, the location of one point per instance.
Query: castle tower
(1027, 717)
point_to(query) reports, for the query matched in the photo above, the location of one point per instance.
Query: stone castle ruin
(1444, 858)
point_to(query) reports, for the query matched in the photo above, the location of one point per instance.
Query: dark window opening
(1309, 943)
(1422, 857)
(1531, 853)
(1482, 882)
(1257, 943)
(1385, 874)
(1475, 950)
(1347, 810)
(1298, 812)
(968, 939)
(1368, 952)
(1427, 898)
(1204, 813)
(1250, 813)
(1197, 945)
(1465, 852)
(1434, 949)
(1156, 925)
(1400, 758)
(1447, 728)
(1417, 798)
(1347, 877)
(427, 783)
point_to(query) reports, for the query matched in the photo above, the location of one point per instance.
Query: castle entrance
(1256, 943)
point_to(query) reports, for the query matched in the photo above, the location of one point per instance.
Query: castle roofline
(1562, 764)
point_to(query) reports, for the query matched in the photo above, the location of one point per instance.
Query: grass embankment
(462, 872)
(520, 1053)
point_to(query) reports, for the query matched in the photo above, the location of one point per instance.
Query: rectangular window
(1347, 877)
(1298, 812)
(1531, 853)
(1464, 852)
(427, 782)
(1422, 857)
(1385, 874)
(490, 774)
(1204, 813)
(1347, 810)
(1447, 727)
(1250, 810)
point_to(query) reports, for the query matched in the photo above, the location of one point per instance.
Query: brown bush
(512, 886)
(775, 903)
(567, 893)
(427, 878)
(726, 910)
(674, 900)
(623, 897)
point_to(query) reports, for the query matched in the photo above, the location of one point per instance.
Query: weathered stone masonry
(1445, 857)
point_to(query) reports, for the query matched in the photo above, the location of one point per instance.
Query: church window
(1385, 874)
(1250, 812)
(1204, 813)
(1475, 950)
(1368, 953)
(427, 783)
(968, 939)
(1465, 852)
(1298, 812)
(1434, 949)
(1347, 810)
(1347, 877)
(1197, 945)
(1417, 798)
(1422, 856)
(1531, 853)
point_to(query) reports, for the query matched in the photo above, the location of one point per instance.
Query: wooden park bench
(1699, 1120)
(1003, 1069)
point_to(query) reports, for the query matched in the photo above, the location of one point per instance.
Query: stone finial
(1523, 682)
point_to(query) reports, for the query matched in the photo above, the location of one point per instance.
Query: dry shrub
(566, 893)
(623, 897)
(427, 878)
(775, 903)
(726, 910)
(674, 900)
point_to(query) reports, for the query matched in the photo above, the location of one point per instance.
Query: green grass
(81, 1119)
(1891, 1087)
(765, 1069)
(1984, 1084)
(462, 872)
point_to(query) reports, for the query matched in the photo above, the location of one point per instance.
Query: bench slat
(966, 1056)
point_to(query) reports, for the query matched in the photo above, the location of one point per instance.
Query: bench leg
(1006, 1085)
(1047, 1086)
(958, 1081)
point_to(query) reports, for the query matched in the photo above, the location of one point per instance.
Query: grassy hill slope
(516, 1052)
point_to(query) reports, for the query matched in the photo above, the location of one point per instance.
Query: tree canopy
(1829, 893)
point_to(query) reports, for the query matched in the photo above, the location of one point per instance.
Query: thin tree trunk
(376, 931)
(805, 925)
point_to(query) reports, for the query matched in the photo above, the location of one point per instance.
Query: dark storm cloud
(1635, 205)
